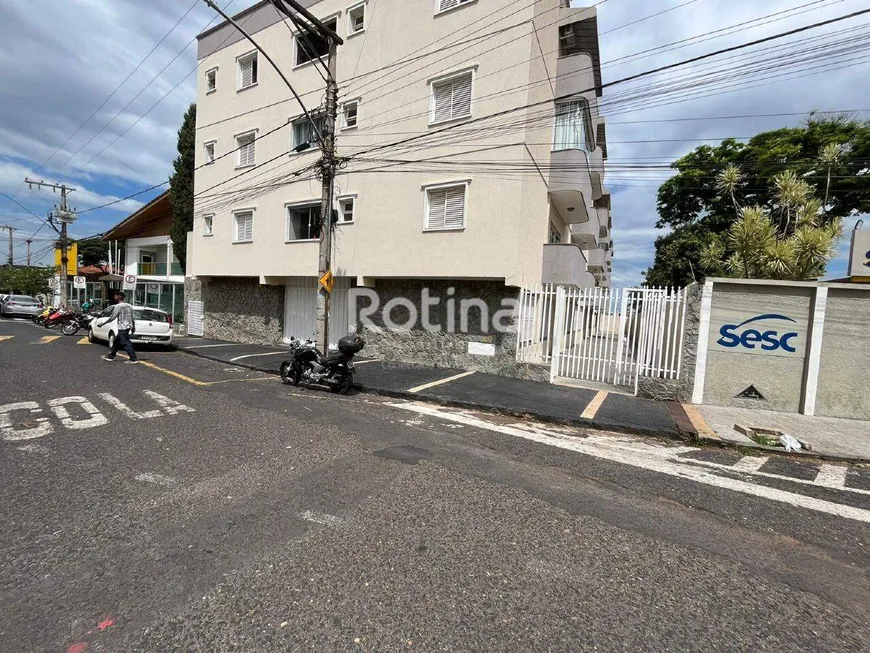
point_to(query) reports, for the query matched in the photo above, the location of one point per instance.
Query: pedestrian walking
(123, 312)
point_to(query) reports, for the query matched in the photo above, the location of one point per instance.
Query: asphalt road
(187, 505)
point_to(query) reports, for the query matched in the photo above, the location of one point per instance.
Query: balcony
(596, 261)
(159, 269)
(570, 185)
(564, 264)
(585, 235)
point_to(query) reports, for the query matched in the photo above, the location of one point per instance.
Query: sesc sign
(762, 333)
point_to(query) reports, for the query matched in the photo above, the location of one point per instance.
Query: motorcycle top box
(351, 344)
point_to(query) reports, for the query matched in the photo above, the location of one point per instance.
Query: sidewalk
(475, 390)
(837, 439)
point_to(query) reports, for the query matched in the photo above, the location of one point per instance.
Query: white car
(153, 326)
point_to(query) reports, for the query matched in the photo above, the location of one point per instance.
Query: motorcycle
(77, 321)
(40, 319)
(59, 316)
(307, 364)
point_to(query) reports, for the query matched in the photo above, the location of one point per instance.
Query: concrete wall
(844, 369)
(823, 369)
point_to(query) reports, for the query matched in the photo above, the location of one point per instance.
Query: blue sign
(867, 262)
(770, 339)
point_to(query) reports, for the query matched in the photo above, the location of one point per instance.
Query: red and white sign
(129, 282)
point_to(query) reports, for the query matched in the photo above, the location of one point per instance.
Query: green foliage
(181, 186)
(700, 203)
(26, 280)
(93, 251)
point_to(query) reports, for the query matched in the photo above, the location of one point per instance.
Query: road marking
(177, 375)
(426, 386)
(749, 464)
(2, 338)
(644, 456)
(84, 341)
(44, 340)
(832, 476)
(158, 479)
(373, 360)
(699, 422)
(268, 353)
(321, 518)
(594, 405)
(226, 344)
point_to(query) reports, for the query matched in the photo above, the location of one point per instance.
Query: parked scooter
(75, 322)
(40, 319)
(308, 365)
(58, 317)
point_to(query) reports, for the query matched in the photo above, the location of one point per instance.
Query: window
(303, 132)
(248, 70)
(345, 209)
(207, 225)
(349, 112)
(303, 222)
(444, 5)
(244, 227)
(445, 207)
(554, 236)
(356, 19)
(451, 98)
(310, 45)
(245, 146)
(573, 126)
(209, 152)
(574, 38)
(211, 80)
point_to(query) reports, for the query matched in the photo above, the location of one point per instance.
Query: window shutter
(437, 204)
(244, 226)
(443, 97)
(447, 4)
(454, 213)
(247, 72)
(246, 150)
(461, 96)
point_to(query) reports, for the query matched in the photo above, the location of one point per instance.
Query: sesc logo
(770, 340)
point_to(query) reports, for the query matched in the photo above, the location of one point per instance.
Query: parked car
(153, 326)
(22, 305)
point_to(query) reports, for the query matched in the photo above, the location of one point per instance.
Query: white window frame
(588, 126)
(296, 45)
(344, 125)
(209, 91)
(553, 230)
(458, 5)
(236, 137)
(443, 79)
(213, 143)
(293, 143)
(341, 202)
(208, 224)
(428, 188)
(350, 27)
(253, 54)
(298, 205)
(252, 210)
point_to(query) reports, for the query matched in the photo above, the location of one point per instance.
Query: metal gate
(603, 335)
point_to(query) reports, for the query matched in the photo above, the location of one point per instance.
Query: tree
(93, 251)
(826, 156)
(181, 186)
(26, 280)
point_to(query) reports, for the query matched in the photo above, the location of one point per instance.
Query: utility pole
(11, 249)
(28, 251)
(64, 216)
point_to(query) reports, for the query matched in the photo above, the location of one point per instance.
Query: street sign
(79, 283)
(129, 282)
(327, 281)
(859, 255)
(53, 282)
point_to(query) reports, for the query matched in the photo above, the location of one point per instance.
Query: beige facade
(516, 192)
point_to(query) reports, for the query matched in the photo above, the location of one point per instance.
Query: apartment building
(474, 165)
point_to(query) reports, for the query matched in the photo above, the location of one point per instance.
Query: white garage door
(300, 309)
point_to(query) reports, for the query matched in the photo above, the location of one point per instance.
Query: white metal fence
(601, 334)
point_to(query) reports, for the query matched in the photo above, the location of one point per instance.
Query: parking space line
(594, 405)
(44, 340)
(832, 476)
(749, 464)
(268, 353)
(84, 341)
(177, 375)
(2, 338)
(426, 386)
(225, 344)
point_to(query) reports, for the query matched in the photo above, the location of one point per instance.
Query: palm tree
(830, 156)
(728, 181)
(791, 192)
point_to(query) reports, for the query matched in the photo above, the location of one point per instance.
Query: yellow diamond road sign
(327, 281)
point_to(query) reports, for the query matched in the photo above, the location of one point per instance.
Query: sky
(66, 116)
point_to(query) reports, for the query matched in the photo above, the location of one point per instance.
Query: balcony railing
(159, 269)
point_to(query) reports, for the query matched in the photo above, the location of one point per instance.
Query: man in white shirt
(123, 312)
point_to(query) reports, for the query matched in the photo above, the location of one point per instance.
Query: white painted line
(832, 476)
(226, 344)
(426, 386)
(647, 457)
(158, 479)
(2, 338)
(594, 405)
(814, 355)
(374, 360)
(749, 464)
(268, 353)
(321, 518)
